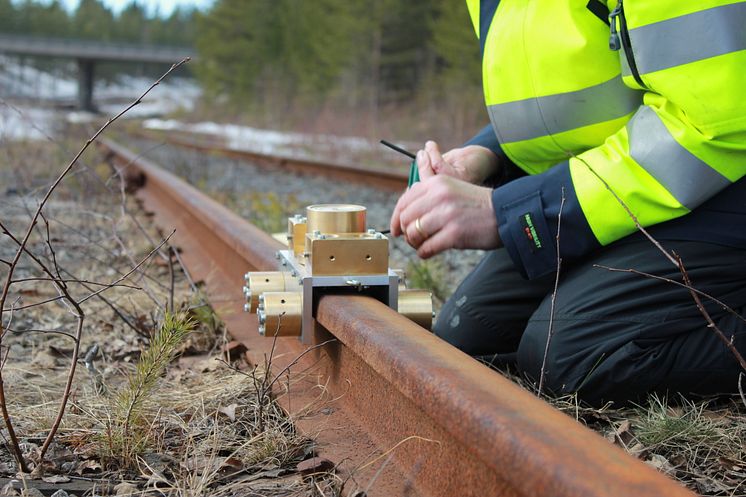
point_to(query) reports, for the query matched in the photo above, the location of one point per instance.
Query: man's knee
(535, 359)
(459, 325)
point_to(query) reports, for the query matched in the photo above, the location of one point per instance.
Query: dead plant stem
(678, 263)
(62, 287)
(550, 331)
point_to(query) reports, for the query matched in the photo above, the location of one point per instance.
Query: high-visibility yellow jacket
(615, 106)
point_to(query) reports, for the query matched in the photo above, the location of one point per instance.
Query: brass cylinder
(270, 281)
(417, 305)
(336, 218)
(280, 314)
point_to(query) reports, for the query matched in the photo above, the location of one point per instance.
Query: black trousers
(617, 336)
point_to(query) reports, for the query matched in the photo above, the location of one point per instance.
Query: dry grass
(194, 426)
(701, 444)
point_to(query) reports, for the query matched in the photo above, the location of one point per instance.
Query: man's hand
(441, 212)
(472, 163)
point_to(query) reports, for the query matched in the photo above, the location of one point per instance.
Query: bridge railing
(92, 49)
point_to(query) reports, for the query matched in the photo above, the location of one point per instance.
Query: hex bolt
(371, 231)
(246, 307)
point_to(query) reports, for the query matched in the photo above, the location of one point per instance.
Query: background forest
(381, 66)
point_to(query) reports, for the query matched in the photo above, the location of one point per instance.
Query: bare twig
(61, 286)
(171, 278)
(550, 331)
(676, 261)
(709, 297)
(710, 323)
(62, 175)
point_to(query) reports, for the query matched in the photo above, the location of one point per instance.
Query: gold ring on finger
(418, 227)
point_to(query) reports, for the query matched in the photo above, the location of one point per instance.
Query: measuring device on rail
(329, 250)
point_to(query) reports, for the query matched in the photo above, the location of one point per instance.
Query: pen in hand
(414, 173)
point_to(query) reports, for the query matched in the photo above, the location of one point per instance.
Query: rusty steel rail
(402, 412)
(386, 179)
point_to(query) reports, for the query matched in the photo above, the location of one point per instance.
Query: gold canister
(417, 305)
(336, 218)
(280, 314)
(258, 282)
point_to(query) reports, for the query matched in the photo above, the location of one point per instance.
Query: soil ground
(134, 424)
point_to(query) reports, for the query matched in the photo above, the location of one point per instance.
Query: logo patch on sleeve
(530, 231)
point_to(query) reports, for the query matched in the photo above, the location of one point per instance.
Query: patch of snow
(26, 123)
(268, 141)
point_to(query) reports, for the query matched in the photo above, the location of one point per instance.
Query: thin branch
(80, 314)
(709, 297)
(554, 297)
(131, 271)
(711, 324)
(76, 280)
(48, 241)
(35, 330)
(629, 212)
(34, 219)
(295, 361)
(114, 308)
(172, 279)
(115, 283)
(676, 261)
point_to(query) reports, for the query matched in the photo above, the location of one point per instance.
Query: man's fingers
(437, 243)
(424, 165)
(395, 225)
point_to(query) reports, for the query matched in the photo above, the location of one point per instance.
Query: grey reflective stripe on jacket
(690, 180)
(688, 38)
(553, 114)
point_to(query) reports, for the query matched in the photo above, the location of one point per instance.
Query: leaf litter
(197, 425)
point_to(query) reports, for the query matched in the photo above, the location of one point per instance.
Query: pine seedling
(428, 275)
(130, 427)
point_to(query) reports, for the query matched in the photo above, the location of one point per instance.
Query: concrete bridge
(87, 53)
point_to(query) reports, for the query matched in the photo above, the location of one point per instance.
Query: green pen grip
(414, 174)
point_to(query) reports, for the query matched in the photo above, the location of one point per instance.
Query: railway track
(399, 411)
(385, 179)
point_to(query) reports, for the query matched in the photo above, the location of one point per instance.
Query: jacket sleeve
(684, 145)
(507, 170)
